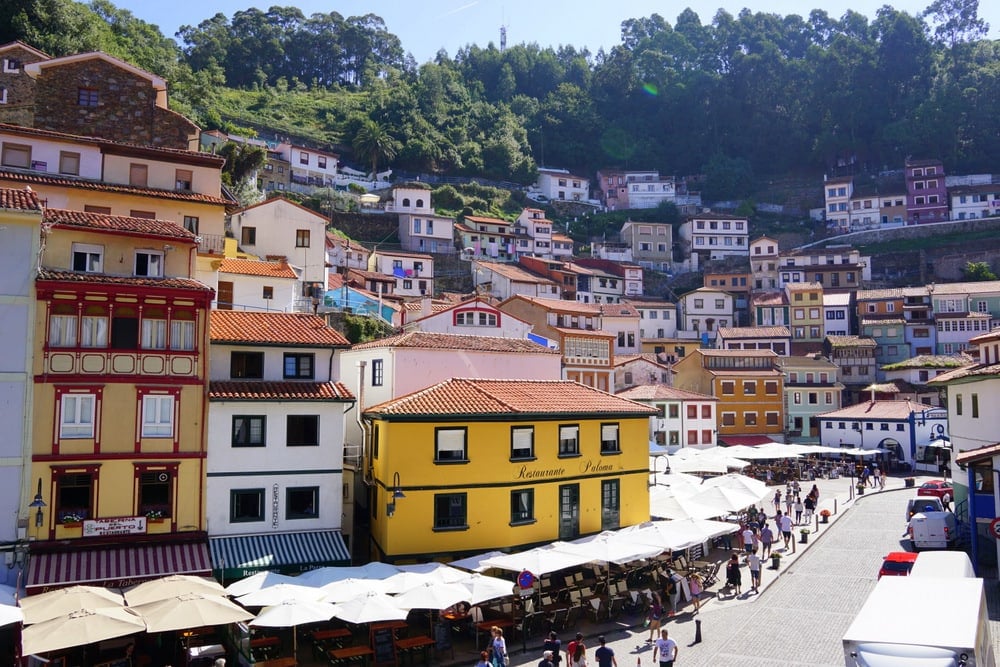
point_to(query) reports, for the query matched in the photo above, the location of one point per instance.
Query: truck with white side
(898, 627)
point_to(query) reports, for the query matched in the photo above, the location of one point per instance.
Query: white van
(943, 564)
(933, 530)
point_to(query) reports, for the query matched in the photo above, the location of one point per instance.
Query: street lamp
(397, 493)
(38, 504)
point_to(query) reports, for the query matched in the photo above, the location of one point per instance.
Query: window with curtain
(157, 416)
(522, 506)
(182, 334)
(154, 334)
(77, 420)
(94, 328)
(62, 331)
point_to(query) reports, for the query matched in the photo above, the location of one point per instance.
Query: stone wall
(125, 111)
(20, 87)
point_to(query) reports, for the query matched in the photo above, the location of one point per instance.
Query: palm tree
(374, 144)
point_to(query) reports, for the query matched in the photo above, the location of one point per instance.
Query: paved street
(801, 615)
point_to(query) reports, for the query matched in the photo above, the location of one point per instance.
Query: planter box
(910, 482)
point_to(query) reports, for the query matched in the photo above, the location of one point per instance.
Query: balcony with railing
(211, 244)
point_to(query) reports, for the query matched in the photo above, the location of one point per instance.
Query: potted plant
(775, 561)
(824, 516)
(909, 481)
(154, 516)
(861, 489)
(70, 519)
(804, 535)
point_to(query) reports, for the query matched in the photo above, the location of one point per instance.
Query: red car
(897, 564)
(939, 488)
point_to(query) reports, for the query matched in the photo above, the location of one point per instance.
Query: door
(569, 511)
(224, 297)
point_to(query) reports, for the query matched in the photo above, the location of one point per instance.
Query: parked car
(939, 488)
(897, 564)
(923, 504)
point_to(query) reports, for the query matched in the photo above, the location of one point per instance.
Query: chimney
(425, 306)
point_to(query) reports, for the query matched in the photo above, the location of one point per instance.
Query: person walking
(604, 654)
(733, 575)
(799, 506)
(786, 528)
(748, 539)
(777, 500)
(546, 660)
(553, 646)
(666, 649)
(766, 539)
(876, 476)
(572, 647)
(694, 587)
(655, 614)
(579, 658)
(810, 505)
(499, 647)
(484, 659)
(753, 563)
(673, 590)
(789, 499)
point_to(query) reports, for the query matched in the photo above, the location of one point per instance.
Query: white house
(281, 228)
(969, 202)
(420, 229)
(561, 185)
(474, 317)
(275, 488)
(503, 281)
(631, 370)
(249, 284)
(764, 262)
(898, 427)
(717, 235)
(837, 194)
(414, 272)
(311, 168)
(704, 311)
(657, 317)
(683, 419)
(533, 233)
(344, 253)
(836, 314)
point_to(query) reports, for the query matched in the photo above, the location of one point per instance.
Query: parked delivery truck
(893, 628)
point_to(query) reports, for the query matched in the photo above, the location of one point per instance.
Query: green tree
(978, 272)
(373, 143)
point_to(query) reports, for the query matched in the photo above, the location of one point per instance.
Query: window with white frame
(182, 331)
(450, 445)
(77, 416)
(149, 263)
(522, 442)
(154, 334)
(609, 439)
(157, 416)
(62, 331)
(87, 257)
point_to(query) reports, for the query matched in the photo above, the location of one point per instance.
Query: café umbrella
(432, 595)
(482, 588)
(328, 575)
(258, 581)
(279, 594)
(79, 628)
(191, 610)
(38, 608)
(370, 608)
(9, 614)
(171, 586)
(348, 589)
(292, 613)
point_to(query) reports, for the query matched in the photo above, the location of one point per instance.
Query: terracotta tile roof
(101, 186)
(486, 221)
(967, 288)
(802, 287)
(769, 299)
(743, 372)
(417, 307)
(132, 281)
(250, 267)
(980, 454)
(931, 361)
(12, 199)
(581, 308)
(334, 281)
(754, 332)
(962, 316)
(879, 294)
(584, 333)
(970, 371)
(737, 353)
(515, 273)
(649, 357)
(661, 392)
(881, 321)
(851, 341)
(279, 391)
(877, 410)
(442, 341)
(403, 253)
(273, 201)
(475, 397)
(371, 275)
(122, 224)
(292, 329)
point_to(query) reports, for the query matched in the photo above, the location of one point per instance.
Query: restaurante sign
(587, 466)
(125, 525)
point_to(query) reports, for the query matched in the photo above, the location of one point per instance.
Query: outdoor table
(348, 652)
(421, 642)
(490, 622)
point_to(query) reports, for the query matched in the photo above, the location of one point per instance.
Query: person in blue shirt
(604, 655)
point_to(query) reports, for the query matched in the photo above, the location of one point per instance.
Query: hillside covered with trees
(755, 95)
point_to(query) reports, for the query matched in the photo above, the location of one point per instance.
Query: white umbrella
(292, 613)
(739, 482)
(682, 533)
(370, 608)
(475, 563)
(665, 503)
(172, 586)
(79, 628)
(432, 595)
(348, 589)
(190, 611)
(280, 593)
(612, 547)
(326, 575)
(258, 581)
(437, 571)
(724, 500)
(482, 588)
(38, 608)
(9, 614)
(407, 579)
(538, 561)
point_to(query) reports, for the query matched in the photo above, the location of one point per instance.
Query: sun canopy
(540, 560)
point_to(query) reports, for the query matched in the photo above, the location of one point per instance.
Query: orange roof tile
(877, 410)
(101, 186)
(19, 200)
(472, 397)
(442, 341)
(661, 392)
(132, 281)
(250, 267)
(121, 224)
(279, 391)
(293, 329)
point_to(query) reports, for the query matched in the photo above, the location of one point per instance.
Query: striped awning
(117, 567)
(288, 553)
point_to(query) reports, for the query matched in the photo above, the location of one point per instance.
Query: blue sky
(427, 26)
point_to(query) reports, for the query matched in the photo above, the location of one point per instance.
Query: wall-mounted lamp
(38, 504)
(397, 493)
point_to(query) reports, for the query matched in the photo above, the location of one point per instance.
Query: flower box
(910, 481)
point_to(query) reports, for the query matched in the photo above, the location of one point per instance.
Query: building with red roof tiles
(412, 272)
(120, 367)
(21, 222)
(682, 419)
(474, 317)
(250, 284)
(645, 368)
(277, 465)
(489, 239)
(469, 465)
(502, 280)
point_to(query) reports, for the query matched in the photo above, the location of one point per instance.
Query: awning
(117, 567)
(748, 440)
(286, 553)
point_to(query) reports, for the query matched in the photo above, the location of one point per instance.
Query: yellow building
(470, 465)
(747, 383)
(120, 367)
(805, 316)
